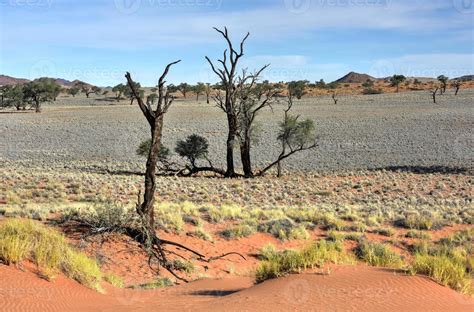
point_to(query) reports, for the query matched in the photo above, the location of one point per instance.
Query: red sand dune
(346, 288)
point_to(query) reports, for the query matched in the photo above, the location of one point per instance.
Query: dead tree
(334, 98)
(433, 94)
(250, 101)
(457, 85)
(208, 92)
(155, 120)
(227, 74)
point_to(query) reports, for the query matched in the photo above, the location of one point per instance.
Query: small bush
(201, 233)
(417, 234)
(335, 236)
(278, 264)
(238, 231)
(280, 228)
(113, 280)
(384, 232)
(419, 222)
(224, 213)
(446, 270)
(161, 282)
(354, 236)
(377, 254)
(184, 266)
(356, 227)
(298, 233)
(26, 240)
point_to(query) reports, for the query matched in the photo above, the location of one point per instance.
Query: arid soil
(377, 131)
(76, 156)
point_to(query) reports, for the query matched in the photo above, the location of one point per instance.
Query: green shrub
(238, 231)
(419, 222)
(298, 233)
(377, 254)
(280, 228)
(356, 227)
(26, 240)
(113, 280)
(224, 213)
(446, 270)
(184, 266)
(161, 282)
(278, 264)
(384, 232)
(354, 236)
(418, 234)
(201, 233)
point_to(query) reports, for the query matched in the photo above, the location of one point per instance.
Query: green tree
(297, 88)
(119, 90)
(40, 91)
(192, 148)
(73, 91)
(444, 82)
(144, 149)
(151, 99)
(396, 80)
(129, 93)
(321, 84)
(12, 96)
(184, 88)
(199, 89)
(295, 135)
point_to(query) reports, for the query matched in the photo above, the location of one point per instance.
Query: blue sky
(98, 40)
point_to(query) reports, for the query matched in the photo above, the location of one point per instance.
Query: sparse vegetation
(27, 240)
(276, 264)
(377, 254)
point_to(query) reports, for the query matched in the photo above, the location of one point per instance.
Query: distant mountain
(9, 81)
(353, 77)
(465, 78)
(61, 82)
(79, 82)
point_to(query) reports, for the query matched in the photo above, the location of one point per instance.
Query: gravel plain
(361, 132)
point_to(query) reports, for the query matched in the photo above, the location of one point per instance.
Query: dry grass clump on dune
(449, 261)
(276, 264)
(22, 240)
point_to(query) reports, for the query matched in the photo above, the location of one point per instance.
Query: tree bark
(245, 157)
(232, 126)
(146, 209)
(37, 106)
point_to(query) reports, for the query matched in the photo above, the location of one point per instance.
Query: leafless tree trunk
(249, 103)
(155, 120)
(334, 98)
(227, 75)
(457, 86)
(208, 92)
(433, 94)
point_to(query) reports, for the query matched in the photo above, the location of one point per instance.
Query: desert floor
(391, 169)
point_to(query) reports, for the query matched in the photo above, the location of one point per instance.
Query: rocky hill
(354, 77)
